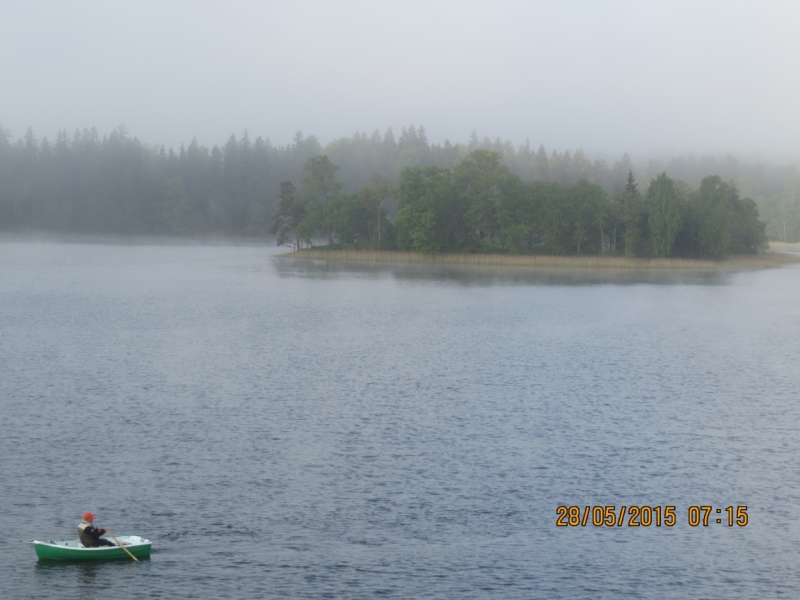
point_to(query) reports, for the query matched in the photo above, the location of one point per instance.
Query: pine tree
(631, 214)
(291, 212)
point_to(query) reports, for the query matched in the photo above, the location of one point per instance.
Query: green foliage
(482, 182)
(321, 193)
(781, 212)
(320, 185)
(587, 218)
(520, 216)
(176, 205)
(317, 219)
(481, 206)
(707, 219)
(291, 212)
(423, 196)
(359, 220)
(664, 214)
(634, 218)
(747, 233)
(353, 220)
(716, 223)
(485, 196)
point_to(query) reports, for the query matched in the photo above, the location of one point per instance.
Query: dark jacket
(89, 534)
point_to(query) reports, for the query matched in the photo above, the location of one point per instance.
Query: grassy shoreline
(758, 261)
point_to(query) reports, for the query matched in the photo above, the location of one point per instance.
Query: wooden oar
(108, 533)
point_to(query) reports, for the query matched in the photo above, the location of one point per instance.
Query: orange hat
(88, 516)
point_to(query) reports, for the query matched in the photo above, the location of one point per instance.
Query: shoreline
(785, 246)
(764, 260)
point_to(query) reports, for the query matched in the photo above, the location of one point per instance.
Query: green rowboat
(74, 550)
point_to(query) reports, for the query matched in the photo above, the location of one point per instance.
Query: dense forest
(480, 205)
(531, 200)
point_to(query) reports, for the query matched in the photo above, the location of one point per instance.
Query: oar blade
(121, 545)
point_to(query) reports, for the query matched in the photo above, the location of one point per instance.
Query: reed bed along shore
(785, 246)
(757, 261)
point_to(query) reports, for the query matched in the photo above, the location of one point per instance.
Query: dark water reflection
(298, 429)
(488, 276)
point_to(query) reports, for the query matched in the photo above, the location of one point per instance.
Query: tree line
(480, 205)
(116, 184)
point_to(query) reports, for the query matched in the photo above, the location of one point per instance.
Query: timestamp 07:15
(645, 516)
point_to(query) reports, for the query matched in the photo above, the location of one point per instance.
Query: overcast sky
(648, 77)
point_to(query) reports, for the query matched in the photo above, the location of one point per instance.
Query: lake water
(293, 429)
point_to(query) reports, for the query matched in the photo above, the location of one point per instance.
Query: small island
(481, 213)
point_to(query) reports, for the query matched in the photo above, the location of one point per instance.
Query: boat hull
(74, 550)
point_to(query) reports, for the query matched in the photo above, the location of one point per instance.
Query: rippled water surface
(284, 428)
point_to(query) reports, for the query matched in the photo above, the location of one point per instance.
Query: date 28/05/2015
(645, 516)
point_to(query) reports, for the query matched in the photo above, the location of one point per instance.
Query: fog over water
(647, 78)
(282, 428)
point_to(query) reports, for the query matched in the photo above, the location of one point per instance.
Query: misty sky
(607, 76)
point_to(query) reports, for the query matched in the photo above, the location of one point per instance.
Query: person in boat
(91, 536)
